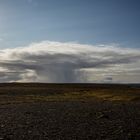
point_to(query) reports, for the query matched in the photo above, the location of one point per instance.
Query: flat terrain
(69, 111)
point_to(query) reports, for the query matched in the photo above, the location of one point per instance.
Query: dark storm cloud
(65, 62)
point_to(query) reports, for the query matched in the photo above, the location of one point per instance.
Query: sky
(70, 41)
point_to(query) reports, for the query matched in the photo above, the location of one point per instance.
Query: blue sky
(83, 21)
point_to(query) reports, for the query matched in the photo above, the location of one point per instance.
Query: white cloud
(69, 62)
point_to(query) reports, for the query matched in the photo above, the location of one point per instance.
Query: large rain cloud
(69, 62)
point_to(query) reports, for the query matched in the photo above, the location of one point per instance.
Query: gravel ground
(72, 120)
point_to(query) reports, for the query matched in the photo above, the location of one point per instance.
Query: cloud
(69, 62)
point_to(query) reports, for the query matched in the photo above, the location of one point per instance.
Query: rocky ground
(69, 112)
(70, 121)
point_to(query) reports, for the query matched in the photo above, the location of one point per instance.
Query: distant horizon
(70, 83)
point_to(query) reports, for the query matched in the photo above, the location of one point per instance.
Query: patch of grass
(114, 95)
(25, 93)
